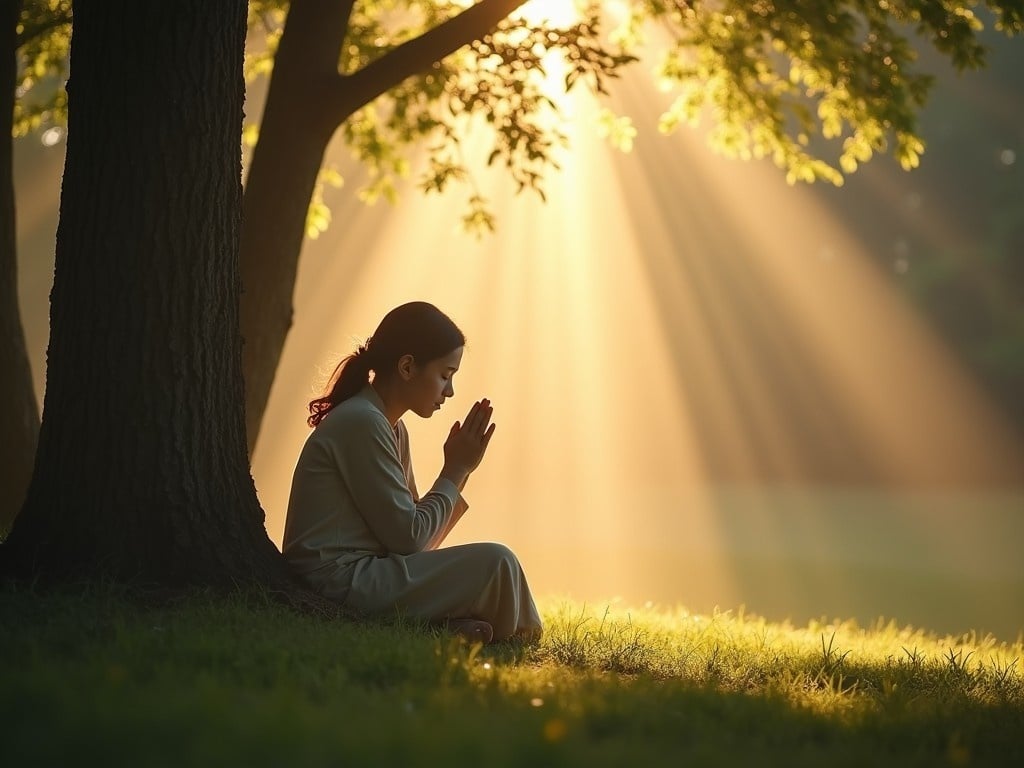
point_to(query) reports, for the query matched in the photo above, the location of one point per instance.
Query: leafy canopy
(44, 42)
(817, 87)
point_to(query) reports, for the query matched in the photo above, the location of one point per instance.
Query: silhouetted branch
(418, 54)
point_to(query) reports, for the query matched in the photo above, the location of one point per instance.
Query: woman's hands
(467, 443)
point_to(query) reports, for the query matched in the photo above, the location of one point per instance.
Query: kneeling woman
(357, 530)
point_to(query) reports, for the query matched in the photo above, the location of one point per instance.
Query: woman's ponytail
(350, 376)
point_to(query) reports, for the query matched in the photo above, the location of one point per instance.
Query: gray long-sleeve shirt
(354, 495)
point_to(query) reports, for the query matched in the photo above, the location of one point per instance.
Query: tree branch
(306, 63)
(313, 34)
(31, 32)
(416, 55)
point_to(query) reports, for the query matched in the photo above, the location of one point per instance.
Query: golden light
(707, 390)
(694, 405)
(555, 12)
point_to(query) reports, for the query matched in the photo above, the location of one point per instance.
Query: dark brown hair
(417, 328)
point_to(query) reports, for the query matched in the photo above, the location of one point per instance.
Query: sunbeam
(694, 404)
(709, 388)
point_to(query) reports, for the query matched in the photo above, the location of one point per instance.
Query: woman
(357, 530)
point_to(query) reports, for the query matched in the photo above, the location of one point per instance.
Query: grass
(87, 676)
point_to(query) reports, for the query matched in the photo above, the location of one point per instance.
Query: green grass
(89, 677)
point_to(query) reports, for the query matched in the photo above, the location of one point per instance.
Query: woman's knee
(498, 554)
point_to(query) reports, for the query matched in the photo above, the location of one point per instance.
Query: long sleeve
(459, 510)
(405, 457)
(368, 461)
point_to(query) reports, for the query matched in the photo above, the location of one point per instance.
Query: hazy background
(711, 389)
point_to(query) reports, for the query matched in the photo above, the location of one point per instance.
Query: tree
(19, 412)
(141, 469)
(417, 65)
(19, 420)
(773, 75)
(818, 88)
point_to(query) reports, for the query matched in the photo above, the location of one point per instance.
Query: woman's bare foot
(473, 630)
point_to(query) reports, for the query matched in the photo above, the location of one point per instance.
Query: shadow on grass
(91, 677)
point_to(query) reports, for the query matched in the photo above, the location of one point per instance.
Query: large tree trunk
(19, 413)
(306, 103)
(142, 469)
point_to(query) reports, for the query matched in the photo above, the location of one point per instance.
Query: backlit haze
(709, 388)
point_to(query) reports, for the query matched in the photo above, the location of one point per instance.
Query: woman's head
(416, 347)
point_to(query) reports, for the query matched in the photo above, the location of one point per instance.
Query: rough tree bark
(142, 469)
(19, 412)
(308, 99)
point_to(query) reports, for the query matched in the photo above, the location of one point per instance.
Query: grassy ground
(88, 677)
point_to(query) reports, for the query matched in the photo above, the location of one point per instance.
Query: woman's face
(431, 384)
